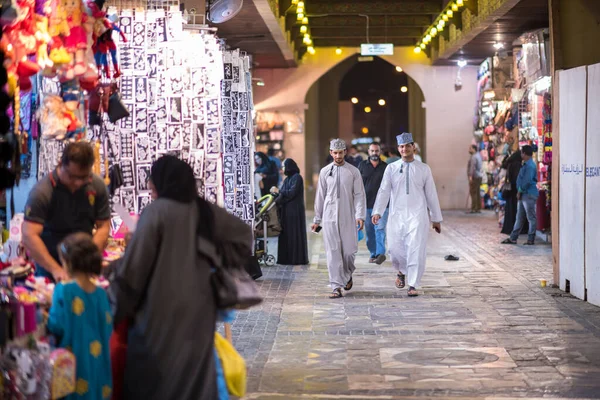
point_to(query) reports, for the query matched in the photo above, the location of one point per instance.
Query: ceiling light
(260, 83)
(440, 28)
(460, 3)
(367, 109)
(365, 130)
(399, 69)
(300, 4)
(423, 45)
(306, 40)
(427, 39)
(354, 100)
(433, 32)
(305, 20)
(338, 51)
(404, 89)
(454, 7)
(311, 50)
(442, 23)
(381, 102)
(300, 16)
(462, 63)
(309, 41)
(445, 17)
(450, 13)
(498, 45)
(300, 10)
(417, 50)
(303, 29)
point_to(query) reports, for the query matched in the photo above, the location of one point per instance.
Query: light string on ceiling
(438, 25)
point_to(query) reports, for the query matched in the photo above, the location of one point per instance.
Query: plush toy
(76, 41)
(57, 28)
(105, 46)
(52, 117)
(75, 126)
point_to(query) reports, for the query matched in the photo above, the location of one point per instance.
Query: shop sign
(377, 49)
(575, 169)
(592, 172)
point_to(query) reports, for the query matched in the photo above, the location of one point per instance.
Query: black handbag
(232, 286)
(116, 109)
(116, 178)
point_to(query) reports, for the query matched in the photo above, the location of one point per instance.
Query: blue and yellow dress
(82, 323)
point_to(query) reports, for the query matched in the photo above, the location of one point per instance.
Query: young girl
(80, 317)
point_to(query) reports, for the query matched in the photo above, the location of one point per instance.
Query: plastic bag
(233, 364)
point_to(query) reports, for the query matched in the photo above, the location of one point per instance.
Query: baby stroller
(266, 225)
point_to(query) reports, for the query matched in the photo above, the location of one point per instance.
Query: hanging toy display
(52, 119)
(104, 46)
(75, 129)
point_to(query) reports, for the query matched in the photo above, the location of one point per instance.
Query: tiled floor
(482, 328)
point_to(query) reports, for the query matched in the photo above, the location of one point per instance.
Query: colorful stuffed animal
(105, 46)
(52, 117)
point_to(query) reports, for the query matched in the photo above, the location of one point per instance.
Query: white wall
(592, 188)
(572, 103)
(449, 113)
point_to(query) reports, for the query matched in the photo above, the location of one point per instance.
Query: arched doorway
(332, 114)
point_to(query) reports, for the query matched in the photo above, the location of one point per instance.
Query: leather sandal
(336, 294)
(400, 281)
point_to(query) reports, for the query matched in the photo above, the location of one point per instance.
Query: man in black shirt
(372, 171)
(68, 200)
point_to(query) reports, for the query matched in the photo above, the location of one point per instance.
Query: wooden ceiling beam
(405, 21)
(355, 42)
(361, 31)
(412, 7)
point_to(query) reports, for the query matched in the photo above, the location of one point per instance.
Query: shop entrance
(361, 102)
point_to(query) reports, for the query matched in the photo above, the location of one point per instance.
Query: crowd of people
(150, 335)
(164, 349)
(518, 189)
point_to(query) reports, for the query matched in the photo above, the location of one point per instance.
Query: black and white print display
(236, 141)
(189, 98)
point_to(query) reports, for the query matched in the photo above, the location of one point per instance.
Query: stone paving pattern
(482, 327)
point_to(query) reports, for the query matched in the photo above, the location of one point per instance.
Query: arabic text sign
(377, 49)
(575, 169)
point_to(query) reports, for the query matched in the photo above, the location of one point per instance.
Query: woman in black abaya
(512, 164)
(293, 246)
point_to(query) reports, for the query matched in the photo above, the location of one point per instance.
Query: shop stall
(138, 83)
(514, 108)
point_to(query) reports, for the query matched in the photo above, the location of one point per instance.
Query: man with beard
(340, 209)
(372, 171)
(409, 188)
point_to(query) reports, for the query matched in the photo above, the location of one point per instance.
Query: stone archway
(449, 113)
(323, 117)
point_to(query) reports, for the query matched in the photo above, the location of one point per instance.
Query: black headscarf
(174, 179)
(290, 167)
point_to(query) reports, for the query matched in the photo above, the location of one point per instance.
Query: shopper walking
(527, 196)
(512, 164)
(293, 245)
(475, 175)
(372, 171)
(81, 319)
(68, 200)
(409, 188)
(275, 160)
(340, 209)
(354, 156)
(163, 287)
(267, 171)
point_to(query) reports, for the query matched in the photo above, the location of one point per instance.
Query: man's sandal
(400, 281)
(336, 294)
(412, 292)
(349, 285)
